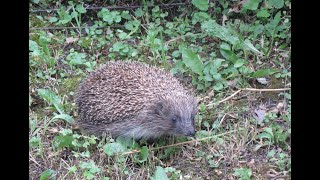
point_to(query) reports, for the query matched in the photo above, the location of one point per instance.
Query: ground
(234, 55)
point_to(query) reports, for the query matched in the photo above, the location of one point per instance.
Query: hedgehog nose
(190, 133)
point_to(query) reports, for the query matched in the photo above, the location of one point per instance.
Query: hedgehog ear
(158, 108)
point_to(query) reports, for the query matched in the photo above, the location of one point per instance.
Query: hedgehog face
(177, 115)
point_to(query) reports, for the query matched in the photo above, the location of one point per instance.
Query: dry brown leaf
(259, 114)
(263, 81)
(224, 19)
(71, 40)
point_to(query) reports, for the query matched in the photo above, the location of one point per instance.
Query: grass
(214, 48)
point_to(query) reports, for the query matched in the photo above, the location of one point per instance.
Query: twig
(112, 7)
(179, 37)
(142, 25)
(178, 144)
(226, 99)
(33, 160)
(252, 89)
(222, 119)
(248, 89)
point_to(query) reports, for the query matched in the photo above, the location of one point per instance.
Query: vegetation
(229, 52)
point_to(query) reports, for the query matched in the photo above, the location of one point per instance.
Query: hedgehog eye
(174, 119)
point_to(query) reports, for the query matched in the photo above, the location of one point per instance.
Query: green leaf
(132, 25)
(53, 19)
(99, 31)
(202, 134)
(76, 58)
(216, 76)
(239, 63)
(47, 174)
(81, 9)
(33, 45)
(264, 135)
(123, 35)
(200, 17)
(126, 15)
(159, 174)
(249, 46)
(271, 153)
(218, 86)
(51, 98)
(36, 1)
(192, 61)
(263, 72)
(206, 124)
(175, 53)
(201, 4)
(65, 117)
(263, 13)
(243, 173)
(113, 148)
(215, 30)
(139, 12)
(276, 3)
(144, 153)
(63, 141)
(128, 142)
(63, 16)
(225, 46)
(277, 18)
(251, 4)
(213, 164)
(34, 141)
(208, 77)
(116, 16)
(269, 130)
(117, 46)
(227, 53)
(72, 169)
(109, 16)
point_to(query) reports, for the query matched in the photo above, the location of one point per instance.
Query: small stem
(181, 143)
(272, 39)
(248, 89)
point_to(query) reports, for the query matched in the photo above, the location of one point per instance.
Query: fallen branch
(178, 144)
(248, 89)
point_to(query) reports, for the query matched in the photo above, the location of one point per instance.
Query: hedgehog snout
(190, 133)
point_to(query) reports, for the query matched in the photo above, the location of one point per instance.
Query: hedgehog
(134, 100)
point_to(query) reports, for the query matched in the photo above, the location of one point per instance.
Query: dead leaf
(259, 113)
(218, 172)
(280, 105)
(251, 163)
(224, 19)
(238, 7)
(263, 81)
(71, 40)
(53, 130)
(234, 9)
(232, 83)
